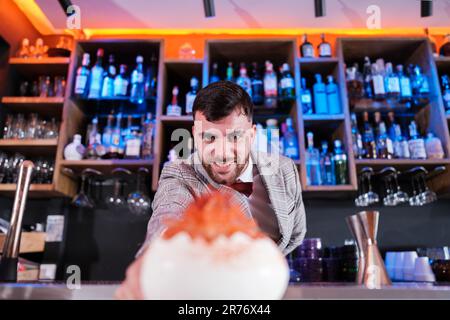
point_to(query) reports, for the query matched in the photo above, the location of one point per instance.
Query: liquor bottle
(287, 84)
(433, 147)
(121, 82)
(446, 92)
(306, 98)
(357, 143)
(96, 81)
(133, 145)
(367, 78)
(320, 96)
(270, 86)
(150, 78)
(116, 146)
(444, 51)
(92, 138)
(230, 71)
(370, 150)
(392, 82)
(261, 143)
(243, 80)
(126, 131)
(340, 163)
(257, 86)
(214, 73)
(107, 135)
(379, 91)
(432, 43)
(385, 148)
(392, 124)
(108, 79)
(173, 109)
(355, 85)
(82, 78)
(405, 86)
(147, 139)
(190, 96)
(401, 147)
(74, 150)
(416, 143)
(273, 136)
(334, 106)
(306, 49)
(290, 141)
(327, 165)
(137, 92)
(324, 48)
(312, 159)
(419, 83)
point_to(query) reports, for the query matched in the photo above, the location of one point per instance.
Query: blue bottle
(334, 107)
(290, 141)
(320, 96)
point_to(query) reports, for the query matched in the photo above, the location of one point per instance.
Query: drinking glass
(59, 86)
(138, 202)
(44, 86)
(117, 199)
(82, 200)
(51, 129)
(32, 125)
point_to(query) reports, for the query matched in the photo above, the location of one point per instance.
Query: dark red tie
(243, 187)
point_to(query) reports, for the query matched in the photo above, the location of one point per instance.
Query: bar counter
(105, 291)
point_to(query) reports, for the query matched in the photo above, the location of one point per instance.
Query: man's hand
(131, 287)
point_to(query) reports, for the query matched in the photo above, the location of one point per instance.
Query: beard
(226, 176)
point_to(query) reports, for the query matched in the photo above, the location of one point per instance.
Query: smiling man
(265, 186)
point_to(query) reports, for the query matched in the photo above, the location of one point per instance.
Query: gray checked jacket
(183, 180)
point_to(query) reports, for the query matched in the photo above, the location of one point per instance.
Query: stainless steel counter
(105, 291)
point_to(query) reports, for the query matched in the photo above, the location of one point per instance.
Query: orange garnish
(212, 216)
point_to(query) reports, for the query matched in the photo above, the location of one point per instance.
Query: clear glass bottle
(320, 96)
(137, 93)
(173, 109)
(273, 136)
(332, 90)
(324, 48)
(367, 78)
(357, 143)
(74, 150)
(392, 82)
(370, 150)
(446, 92)
(433, 146)
(108, 80)
(107, 134)
(327, 165)
(257, 85)
(306, 48)
(121, 82)
(416, 143)
(270, 86)
(355, 85)
(306, 98)
(379, 91)
(150, 78)
(290, 141)
(147, 139)
(340, 163)
(96, 81)
(419, 83)
(312, 160)
(133, 145)
(82, 77)
(287, 83)
(214, 73)
(243, 80)
(190, 96)
(385, 148)
(116, 139)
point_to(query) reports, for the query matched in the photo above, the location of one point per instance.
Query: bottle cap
(272, 122)
(194, 82)
(139, 59)
(100, 52)
(25, 42)
(330, 78)
(289, 122)
(285, 67)
(337, 143)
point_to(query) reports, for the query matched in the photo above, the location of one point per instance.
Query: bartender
(265, 186)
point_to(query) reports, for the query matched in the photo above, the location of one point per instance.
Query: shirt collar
(247, 174)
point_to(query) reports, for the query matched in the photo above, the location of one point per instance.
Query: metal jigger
(358, 233)
(364, 227)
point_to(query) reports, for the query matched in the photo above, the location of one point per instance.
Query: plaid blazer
(182, 179)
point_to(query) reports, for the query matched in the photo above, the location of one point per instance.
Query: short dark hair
(219, 99)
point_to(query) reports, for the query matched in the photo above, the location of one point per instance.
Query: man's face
(224, 145)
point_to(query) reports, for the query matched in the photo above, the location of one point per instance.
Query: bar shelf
(36, 190)
(105, 166)
(35, 67)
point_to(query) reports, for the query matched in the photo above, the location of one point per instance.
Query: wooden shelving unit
(77, 113)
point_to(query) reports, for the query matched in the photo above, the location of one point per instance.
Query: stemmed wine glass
(82, 200)
(117, 199)
(138, 202)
